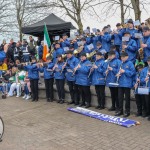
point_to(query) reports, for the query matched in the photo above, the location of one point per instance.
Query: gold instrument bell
(89, 55)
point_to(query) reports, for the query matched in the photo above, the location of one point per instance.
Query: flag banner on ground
(112, 119)
(47, 43)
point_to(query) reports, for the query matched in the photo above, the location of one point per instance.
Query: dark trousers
(100, 91)
(123, 91)
(114, 97)
(74, 91)
(147, 100)
(49, 88)
(60, 88)
(140, 102)
(34, 88)
(86, 94)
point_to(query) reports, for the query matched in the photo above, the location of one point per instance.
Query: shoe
(87, 106)
(33, 100)
(72, 102)
(97, 107)
(126, 115)
(36, 100)
(138, 114)
(51, 100)
(24, 96)
(58, 101)
(75, 104)
(61, 102)
(28, 97)
(102, 107)
(18, 96)
(144, 115)
(82, 104)
(112, 109)
(119, 113)
(148, 118)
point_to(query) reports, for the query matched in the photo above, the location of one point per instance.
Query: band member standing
(59, 75)
(48, 78)
(125, 75)
(64, 41)
(140, 99)
(82, 70)
(98, 79)
(33, 75)
(70, 64)
(112, 69)
(25, 51)
(145, 80)
(146, 43)
(130, 47)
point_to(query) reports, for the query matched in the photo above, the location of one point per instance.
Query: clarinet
(147, 76)
(107, 68)
(137, 82)
(119, 72)
(64, 67)
(91, 70)
(76, 69)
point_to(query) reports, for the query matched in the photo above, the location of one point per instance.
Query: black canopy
(55, 26)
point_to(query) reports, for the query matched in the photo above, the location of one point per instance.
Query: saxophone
(89, 55)
(79, 50)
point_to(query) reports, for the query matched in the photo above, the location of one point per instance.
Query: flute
(64, 67)
(147, 76)
(119, 74)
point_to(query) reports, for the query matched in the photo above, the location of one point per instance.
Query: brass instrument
(141, 51)
(89, 55)
(79, 50)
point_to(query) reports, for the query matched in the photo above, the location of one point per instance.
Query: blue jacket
(131, 49)
(88, 40)
(58, 73)
(106, 41)
(144, 75)
(146, 40)
(117, 37)
(57, 52)
(33, 71)
(48, 73)
(71, 64)
(98, 77)
(66, 43)
(126, 79)
(94, 41)
(111, 76)
(82, 73)
(40, 51)
(85, 50)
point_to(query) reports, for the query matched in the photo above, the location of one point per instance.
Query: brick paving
(49, 126)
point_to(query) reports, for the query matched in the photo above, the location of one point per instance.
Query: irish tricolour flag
(47, 43)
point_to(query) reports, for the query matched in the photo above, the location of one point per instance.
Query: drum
(1, 128)
(143, 90)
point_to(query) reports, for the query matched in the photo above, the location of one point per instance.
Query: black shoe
(144, 115)
(119, 113)
(126, 115)
(72, 102)
(61, 102)
(97, 107)
(36, 100)
(112, 109)
(138, 114)
(33, 100)
(82, 104)
(51, 100)
(101, 108)
(87, 106)
(58, 101)
(75, 104)
(148, 118)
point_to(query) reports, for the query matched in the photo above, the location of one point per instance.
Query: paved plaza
(49, 126)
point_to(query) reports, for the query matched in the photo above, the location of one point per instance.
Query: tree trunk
(20, 33)
(122, 11)
(80, 26)
(136, 8)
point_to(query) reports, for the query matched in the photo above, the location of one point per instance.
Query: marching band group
(118, 59)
